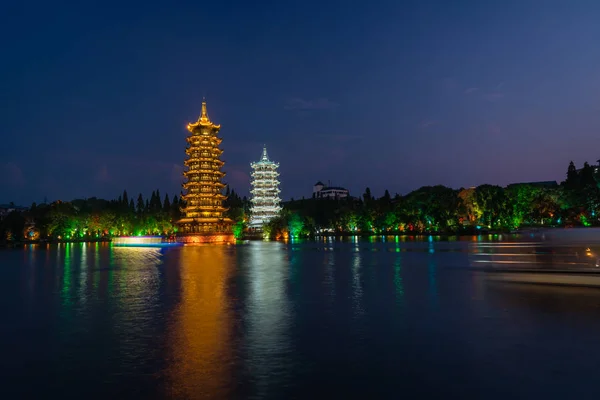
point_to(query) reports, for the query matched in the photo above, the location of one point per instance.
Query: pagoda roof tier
(194, 126)
(272, 191)
(213, 192)
(264, 185)
(214, 182)
(265, 165)
(192, 196)
(204, 219)
(203, 140)
(206, 160)
(265, 177)
(208, 137)
(201, 170)
(212, 152)
(192, 172)
(213, 196)
(266, 201)
(192, 149)
(217, 163)
(194, 142)
(206, 208)
(214, 212)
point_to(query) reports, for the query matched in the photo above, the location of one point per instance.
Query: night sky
(95, 97)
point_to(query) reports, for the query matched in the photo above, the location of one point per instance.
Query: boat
(554, 257)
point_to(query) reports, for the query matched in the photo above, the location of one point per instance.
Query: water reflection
(432, 274)
(200, 333)
(329, 277)
(66, 271)
(268, 318)
(260, 320)
(398, 279)
(357, 291)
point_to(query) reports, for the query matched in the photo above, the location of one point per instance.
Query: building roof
(319, 183)
(333, 188)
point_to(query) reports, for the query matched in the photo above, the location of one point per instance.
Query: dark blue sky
(388, 94)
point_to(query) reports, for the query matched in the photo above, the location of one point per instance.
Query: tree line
(427, 210)
(100, 219)
(443, 210)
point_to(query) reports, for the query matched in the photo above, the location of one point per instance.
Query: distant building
(596, 168)
(320, 191)
(6, 209)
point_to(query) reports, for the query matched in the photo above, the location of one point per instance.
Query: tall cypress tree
(152, 203)
(140, 204)
(572, 177)
(158, 204)
(167, 204)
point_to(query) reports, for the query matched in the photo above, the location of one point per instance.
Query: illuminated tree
(492, 201)
(295, 225)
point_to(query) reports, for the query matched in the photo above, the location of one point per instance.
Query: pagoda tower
(203, 220)
(265, 191)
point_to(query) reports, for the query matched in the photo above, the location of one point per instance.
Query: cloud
(493, 96)
(471, 90)
(102, 174)
(496, 94)
(494, 130)
(428, 123)
(297, 103)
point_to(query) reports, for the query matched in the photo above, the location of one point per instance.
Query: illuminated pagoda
(203, 221)
(265, 191)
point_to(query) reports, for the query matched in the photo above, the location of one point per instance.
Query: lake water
(392, 319)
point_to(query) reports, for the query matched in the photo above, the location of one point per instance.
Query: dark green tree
(167, 204)
(140, 204)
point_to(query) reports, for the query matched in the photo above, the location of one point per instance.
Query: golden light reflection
(199, 343)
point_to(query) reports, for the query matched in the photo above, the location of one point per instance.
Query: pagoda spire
(204, 114)
(264, 157)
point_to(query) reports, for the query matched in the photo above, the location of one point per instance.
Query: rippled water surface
(287, 320)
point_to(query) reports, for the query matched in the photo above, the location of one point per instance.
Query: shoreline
(254, 236)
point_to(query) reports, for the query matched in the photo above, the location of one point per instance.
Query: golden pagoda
(203, 221)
